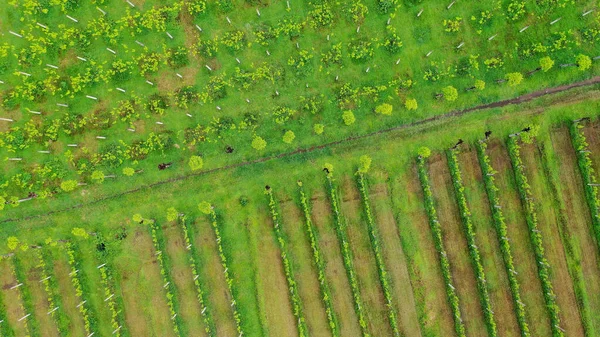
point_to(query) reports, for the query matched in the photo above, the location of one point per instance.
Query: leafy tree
(13, 242)
(128, 171)
(205, 207)
(450, 93)
(365, 164)
(195, 163)
(80, 232)
(138, 218)
(411, 104)
(348, 117)
(288, 137)
(546, 63)
(68, 185)
(2, 202)
(319, 128)
(384, 109)
(258, 143)
(328, 167)
(424, 152)
(529, 136)
(479, 85)
(583, 62)
(98, 176)
(514, 79)
(172, 214)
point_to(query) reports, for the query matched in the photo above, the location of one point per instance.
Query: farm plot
(12, 299)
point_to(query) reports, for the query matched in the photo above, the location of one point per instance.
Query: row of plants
(209, 210)
(543, 267)
(5, 329)
(193, 258)
(287, 266)
(82, 289)
(340, 229)
(465, 216)
(46, 267)
(117, 315)
(436, 231)
(319, 264)
(27, 301)
(384, 278)
(588, 174)
(165, 266)
(502, 233)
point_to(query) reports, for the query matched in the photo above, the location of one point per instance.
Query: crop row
(436, 230)
(465, 216)
(379, 259)
(228, 277)
(82, 290)
(287, 267)
(27, 301)
(165, 266)
(45, 265)
(319, 263)
(193, 259)
(502, 233)
(543, 267)
(5, 328)
(117, 316)
(588, 175)
(340, 229)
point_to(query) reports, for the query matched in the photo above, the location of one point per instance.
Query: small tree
(348, 117)
(258, 143)
(80, 232)
(365, 164)
(424, 152)
(529, 136)
(137, 218)
(546, 63)
(128, 171)
(384, 109)
(319, 128)
(68, 185)
(479, 85)
(98, 176)
(450, 93)
(172, 214)
(288, 137)
(205, 207)
(411, 104)
(195, 163)
(514, 79)
(583, 62)
(13, 242)
(2, 202)
(328, 167)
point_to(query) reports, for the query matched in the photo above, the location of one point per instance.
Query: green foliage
(13, 242)
(365, 164)
(98, 176)
(318, 128)
(529, 137)
(514, 79)
(137, 218)
(452, 25)
(361, 50)
(479, 85)
(258, 143)
(172, 214)
(424, 152)
(288, 137)
(384, 109)
(583, 62)
(196, 163)
(80, 232)
(205, 207)
(450, 93)
(321, 16)
(68, 185)
(546, 63)
(348, 117)
(411, 104)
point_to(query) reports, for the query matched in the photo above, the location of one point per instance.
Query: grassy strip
(115, 302)
(46, 266)
(287, 267)
(27, 302)
(589, 177)
(376, 246)
(574, 262)
(193, 258)
(228, 278)
(436, 231)
(5, 329)
(319, 263)
(171, 290)
(81, 289)
(543, 267)
(465, 216)
(502, 233)
(340, 229)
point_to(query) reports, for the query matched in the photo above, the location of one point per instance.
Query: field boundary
(455, 113)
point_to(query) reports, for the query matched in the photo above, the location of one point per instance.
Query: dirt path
(456, 113)
(12, 299)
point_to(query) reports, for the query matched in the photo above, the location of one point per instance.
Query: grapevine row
(27, 302)
(319, 263)
(379, 260)
(588, 174)
(117, 316)
(81, 290)
(436, 231)
(50, 284)
(228, 277)
(287, 267)
(5, 328)
(340, 229)
(502, 233)
(543, 267)
(165, 266)
(465, 216)
(193, 259)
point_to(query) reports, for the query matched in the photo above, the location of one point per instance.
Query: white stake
(523, 29)
(555, 21)
(47, 278)
(159, 123)
(189, 115)
(431, 51)
(39, 24)
(588, 12)
(72, 145)
(6, 119)
(121, 90)
(46, 152)
(228, 19)
(51, 66)
(53, 310)
(131, 130)
(492, 37)
(179, 75)
(16, 286)
(109, 297)
(269, 54)
(388, 21)
(72, 18)
(100, 137)
(238, 60)
(15, 159)
(200, 29)
(368, 68)
(24, 73)
(208, 67)
(22, 318)
(101, 11)
(288, 4)
(62, 105)
(112, 51)
(398, 61)
(149, 82)
(450, 5)
(15, 34)
(141, 44)
(130, 3)
(100, 266)
(460, 45)
(169, 35)
(257, 12)
(81, 59)
(91, 97)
